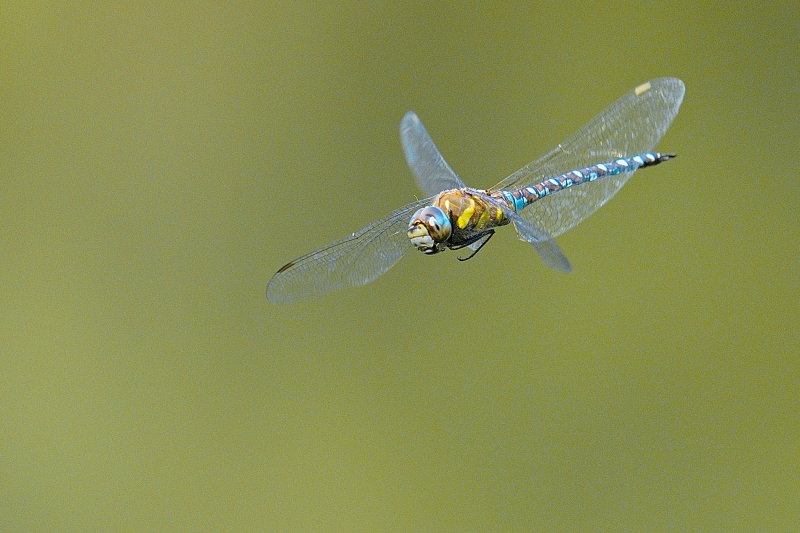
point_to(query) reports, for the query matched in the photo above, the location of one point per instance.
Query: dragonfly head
(429, 230)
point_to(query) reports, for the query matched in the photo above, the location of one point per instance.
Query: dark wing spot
(286, 267)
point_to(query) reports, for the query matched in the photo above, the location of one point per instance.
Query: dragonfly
(541, 200)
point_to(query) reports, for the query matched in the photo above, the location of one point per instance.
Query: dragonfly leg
(483, 238)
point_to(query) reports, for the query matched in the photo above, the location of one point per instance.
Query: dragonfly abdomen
(521, 198)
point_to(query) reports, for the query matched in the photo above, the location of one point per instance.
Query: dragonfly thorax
(429, 230)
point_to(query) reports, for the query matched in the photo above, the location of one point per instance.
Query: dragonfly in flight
(541, 200)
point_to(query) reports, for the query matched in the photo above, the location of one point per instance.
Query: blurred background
(159, 162)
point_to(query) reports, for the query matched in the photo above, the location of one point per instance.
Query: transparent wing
(631, 126)
(350, 262)
(527, 231)
(433, 173)
(545, 246)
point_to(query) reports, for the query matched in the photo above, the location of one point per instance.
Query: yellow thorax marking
(484, 220)
(466, 215)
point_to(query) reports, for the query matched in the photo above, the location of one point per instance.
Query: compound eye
(429, 228)
(437, 223)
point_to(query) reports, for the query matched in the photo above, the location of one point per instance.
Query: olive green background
(159, 161)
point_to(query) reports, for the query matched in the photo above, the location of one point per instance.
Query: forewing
(352, 261)
(631, 126)
(433, 173)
